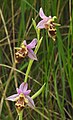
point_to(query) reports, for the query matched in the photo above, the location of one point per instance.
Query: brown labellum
(52, 32)
(21, 102)
(21, 53)
(51, 27)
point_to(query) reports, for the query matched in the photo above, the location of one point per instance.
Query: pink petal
(23, 87)
(12, 97)
(41, 24)
(27, 92)
(42, 15)
(32, 44)
(31, 54)
(19, 91)
(30, 102)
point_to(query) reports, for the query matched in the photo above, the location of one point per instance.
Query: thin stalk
(31, 61)
(19, 71)
(40, 113)
(20, 115)
(30, 6)
(15, 78)
(5, 90)
(6, 34)
(9, 110)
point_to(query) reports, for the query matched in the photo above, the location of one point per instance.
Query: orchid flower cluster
(22, 97)
(26, 49)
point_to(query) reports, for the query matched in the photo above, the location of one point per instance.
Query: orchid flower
(30, 46)
(48, 23)
(22, 97)
(42, 24)
(26, 50)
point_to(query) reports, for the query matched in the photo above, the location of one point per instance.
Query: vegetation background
(55, 59)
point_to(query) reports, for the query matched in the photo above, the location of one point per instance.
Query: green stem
(20, 115)
(31, 61)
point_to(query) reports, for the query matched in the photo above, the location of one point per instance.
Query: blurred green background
(55, 59)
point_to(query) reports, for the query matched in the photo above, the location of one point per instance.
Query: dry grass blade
(6, 34)
(14, 41)
(4, 93)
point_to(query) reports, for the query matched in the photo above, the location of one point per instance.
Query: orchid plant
(22, 98)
